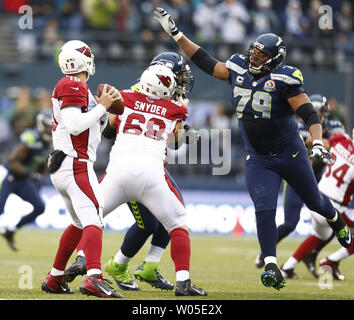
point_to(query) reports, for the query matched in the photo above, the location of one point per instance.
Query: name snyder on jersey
(151, 108)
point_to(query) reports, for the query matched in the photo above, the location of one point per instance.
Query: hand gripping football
(118, 106)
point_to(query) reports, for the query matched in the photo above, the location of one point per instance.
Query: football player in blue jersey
(265, 95)
(291, 201)
(25, 167)
(146, 224)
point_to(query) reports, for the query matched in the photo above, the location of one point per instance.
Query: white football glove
(319, 151)
(167, 23)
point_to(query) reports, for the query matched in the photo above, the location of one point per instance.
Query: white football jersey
(338, 180)
(146, 124)
(71, 91)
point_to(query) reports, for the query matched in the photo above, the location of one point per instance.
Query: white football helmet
(76, 56)
(158, 82)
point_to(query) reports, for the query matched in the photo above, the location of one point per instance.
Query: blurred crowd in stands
(124, 30)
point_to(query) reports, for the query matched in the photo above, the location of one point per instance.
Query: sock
(55, 272)
(67, 244)
(92, 247)
(290, 263)
(180, 249)
(270, 259)
(306, 247)
(81, 253)
(182, 275)
(339, 255)
(120, 258)
(267, 232)
(80, 249)
(154, 254)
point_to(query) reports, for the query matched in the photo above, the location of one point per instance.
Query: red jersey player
(135, 171)
(78, 120)
(338, 184)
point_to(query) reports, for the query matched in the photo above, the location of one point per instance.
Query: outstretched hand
(167, 23)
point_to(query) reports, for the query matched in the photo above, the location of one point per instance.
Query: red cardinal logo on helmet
(86, 51)
(166, 80)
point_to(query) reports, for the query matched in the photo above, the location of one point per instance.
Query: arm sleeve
(77, 122)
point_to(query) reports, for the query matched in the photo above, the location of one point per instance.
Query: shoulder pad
(136, 87)
(288, 74)
(237, 63)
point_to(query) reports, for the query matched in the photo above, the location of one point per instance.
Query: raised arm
(198, 55)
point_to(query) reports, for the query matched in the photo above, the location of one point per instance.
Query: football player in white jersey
(135, 171)
(338, 184)
(77, 121)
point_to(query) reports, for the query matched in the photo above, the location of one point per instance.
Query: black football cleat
(326, 264)
(78, 268)
(310, 262)
(259, 261)
(341, 230)
(288, 273)
(9, 236)
(186, 288)
(272, 277)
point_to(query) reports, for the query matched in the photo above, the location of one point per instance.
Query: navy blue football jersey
(37, 150)
(266, 120)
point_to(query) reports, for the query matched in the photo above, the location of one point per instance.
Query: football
(118, 106)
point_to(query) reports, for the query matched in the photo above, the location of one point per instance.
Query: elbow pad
(308, 113)
(204, 61)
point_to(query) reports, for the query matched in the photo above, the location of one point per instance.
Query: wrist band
(317, 141)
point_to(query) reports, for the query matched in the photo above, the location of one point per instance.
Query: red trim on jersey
(349, 222)
(104, 174)
(83, 182)
(80, 144)
(348, 193)
(173, 189)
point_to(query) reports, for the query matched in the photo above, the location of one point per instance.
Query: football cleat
(95, 285)
(121, 275)
(9, 236)
(78, 268)
(325, 263)
(150, 272)
(310, 262)
(272, 277)
(288, 273)
(259, 261)
(186, 288)
(55, 284)
(341, 231)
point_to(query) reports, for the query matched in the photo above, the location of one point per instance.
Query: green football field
(223, 265)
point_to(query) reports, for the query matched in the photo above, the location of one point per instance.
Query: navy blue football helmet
(44, 125)
(180, 68)
(273, 52)
(321, 105)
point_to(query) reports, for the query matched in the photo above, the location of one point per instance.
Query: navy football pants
(28, 191)
(264, 174)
